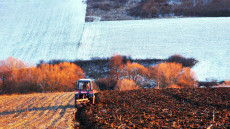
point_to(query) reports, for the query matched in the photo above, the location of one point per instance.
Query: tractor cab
(84, 92)
(84, 85)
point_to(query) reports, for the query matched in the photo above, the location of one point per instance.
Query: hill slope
(151, 108)
(40, 110)
(34, 30)
(204, 39)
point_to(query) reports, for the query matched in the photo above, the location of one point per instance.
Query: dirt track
(39, 110)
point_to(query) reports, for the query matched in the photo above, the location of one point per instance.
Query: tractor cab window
(84, 86)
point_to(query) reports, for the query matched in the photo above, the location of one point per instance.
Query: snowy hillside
(34, 30)
(206, 39)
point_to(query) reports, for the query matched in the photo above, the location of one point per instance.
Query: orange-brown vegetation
(164, 108)
(227, 83)
(37, 110)
(126, 84)
(126, 74)
(169, 74)
(16, 77)
(116, 66)
(135, 72)
(165, 75)
(224, 83)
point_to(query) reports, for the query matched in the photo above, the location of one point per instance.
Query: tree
(186, 62)
(135, 72)
(116, 66)
(59, 77)
(171, 74)
(187, 78)
(68, 75)
(9, 72)
(16, 77)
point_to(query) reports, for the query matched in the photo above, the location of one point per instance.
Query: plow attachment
(84, 102)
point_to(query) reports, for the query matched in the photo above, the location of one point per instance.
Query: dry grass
(38, 110)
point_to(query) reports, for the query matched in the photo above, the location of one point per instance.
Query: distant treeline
(17, 77)
(161, 8)
(112, 73)
(117, 72)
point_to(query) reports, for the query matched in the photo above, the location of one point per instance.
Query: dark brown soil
(166, 108)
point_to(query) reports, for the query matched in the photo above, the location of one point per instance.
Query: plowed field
(38, 110)
(151, 108)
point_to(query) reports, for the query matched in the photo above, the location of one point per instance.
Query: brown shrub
(126, 84)
(187, 78)
(59, 77)
(174, 86)
(135, 72)
(225, 83)
(169, 74)
(10, 73)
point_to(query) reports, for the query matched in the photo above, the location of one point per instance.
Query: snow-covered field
(205, 39)
(34, 30)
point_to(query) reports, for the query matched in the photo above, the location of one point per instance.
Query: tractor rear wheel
(75, 104)
(92, 100)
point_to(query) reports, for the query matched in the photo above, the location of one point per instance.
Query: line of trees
(163, 75)
(18, 77)
(158, 8)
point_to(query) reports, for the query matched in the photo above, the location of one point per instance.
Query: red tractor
(84, 93)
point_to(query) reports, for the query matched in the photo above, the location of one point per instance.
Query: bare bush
(126, 84)
(227, 83)
(171, 74)
(59, 77)
(135, 72)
